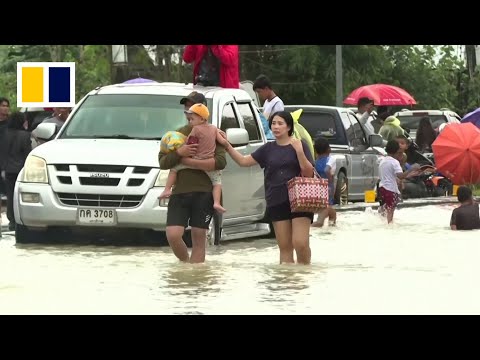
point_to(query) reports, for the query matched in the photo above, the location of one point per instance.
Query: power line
(320, 82)
(275, 50)
(299, 83)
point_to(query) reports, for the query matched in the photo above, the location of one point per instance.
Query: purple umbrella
(473, 117)
(139, 80)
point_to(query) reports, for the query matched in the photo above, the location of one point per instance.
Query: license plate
(96, 216)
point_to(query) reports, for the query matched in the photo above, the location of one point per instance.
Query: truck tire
(214, 233)
(25, 236)
(341, 190)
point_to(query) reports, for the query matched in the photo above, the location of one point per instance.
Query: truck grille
(95, 200)
(102, 175)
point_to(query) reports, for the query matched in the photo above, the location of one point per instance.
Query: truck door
(234, 178)
(253, 203)
(367, 157)
(354, 157)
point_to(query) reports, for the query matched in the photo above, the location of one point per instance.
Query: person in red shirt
(220, 63)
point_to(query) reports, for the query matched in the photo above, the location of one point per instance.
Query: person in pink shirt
(214, 65)
(205, 135)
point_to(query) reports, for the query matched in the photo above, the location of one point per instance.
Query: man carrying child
(205, 135)
(191, 202)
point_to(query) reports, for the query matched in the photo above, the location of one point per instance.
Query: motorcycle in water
(430, 183)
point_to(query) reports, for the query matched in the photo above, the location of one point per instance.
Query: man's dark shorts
(195, 206)
(283, 212)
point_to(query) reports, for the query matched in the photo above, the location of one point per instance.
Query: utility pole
(339, 74)
(119, 63)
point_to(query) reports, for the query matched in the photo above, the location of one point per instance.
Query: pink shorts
(390, 198)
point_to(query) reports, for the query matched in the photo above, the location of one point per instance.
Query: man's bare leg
(175, 240)
(199, 243)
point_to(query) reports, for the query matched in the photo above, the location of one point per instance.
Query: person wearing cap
(193, 98)
(205, 135)
(191, 202)
(227, 55)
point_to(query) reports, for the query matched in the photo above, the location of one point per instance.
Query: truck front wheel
(341, 190)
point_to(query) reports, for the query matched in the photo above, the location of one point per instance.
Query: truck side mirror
(237, 137)
(45, 132)
(375, 140)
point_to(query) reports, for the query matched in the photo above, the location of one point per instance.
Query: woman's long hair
(425, 133)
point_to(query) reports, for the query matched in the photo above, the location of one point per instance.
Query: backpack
(209, 71)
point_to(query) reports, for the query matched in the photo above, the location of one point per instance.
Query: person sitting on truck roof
(214, 65)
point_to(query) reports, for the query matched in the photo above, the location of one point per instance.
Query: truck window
(348, 128)
(360, 139)
(321, 124)
(229, 119)
(250, 121)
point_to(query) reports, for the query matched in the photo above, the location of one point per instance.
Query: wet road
(417, 266)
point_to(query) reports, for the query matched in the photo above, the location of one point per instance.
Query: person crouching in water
(466, 216)
(326, 166)
(389, 171)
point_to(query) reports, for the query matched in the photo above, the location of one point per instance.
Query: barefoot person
(191, 202)
(282, 159)
(390, 172)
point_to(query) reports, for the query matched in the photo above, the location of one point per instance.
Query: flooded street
(417, 266)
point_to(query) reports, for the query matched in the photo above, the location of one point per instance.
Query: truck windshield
(126, 116)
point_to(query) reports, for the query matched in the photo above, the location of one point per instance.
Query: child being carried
(203, 134)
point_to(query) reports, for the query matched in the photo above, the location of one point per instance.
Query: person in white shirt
(390, 171)
(365, 108)
(272, 102)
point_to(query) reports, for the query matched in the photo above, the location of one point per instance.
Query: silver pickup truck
(357, 157)
(102, 171)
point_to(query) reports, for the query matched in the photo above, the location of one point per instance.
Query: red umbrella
(457, 153)
(381, 94)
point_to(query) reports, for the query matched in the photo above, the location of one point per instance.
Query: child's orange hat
(200, 110)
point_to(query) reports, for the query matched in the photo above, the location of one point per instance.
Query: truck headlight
(35, 170)
(161, 178)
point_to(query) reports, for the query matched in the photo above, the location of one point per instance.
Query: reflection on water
(363, 266)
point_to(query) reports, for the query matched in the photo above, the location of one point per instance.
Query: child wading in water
(326, 166)
(205, 135)
(389, 171)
